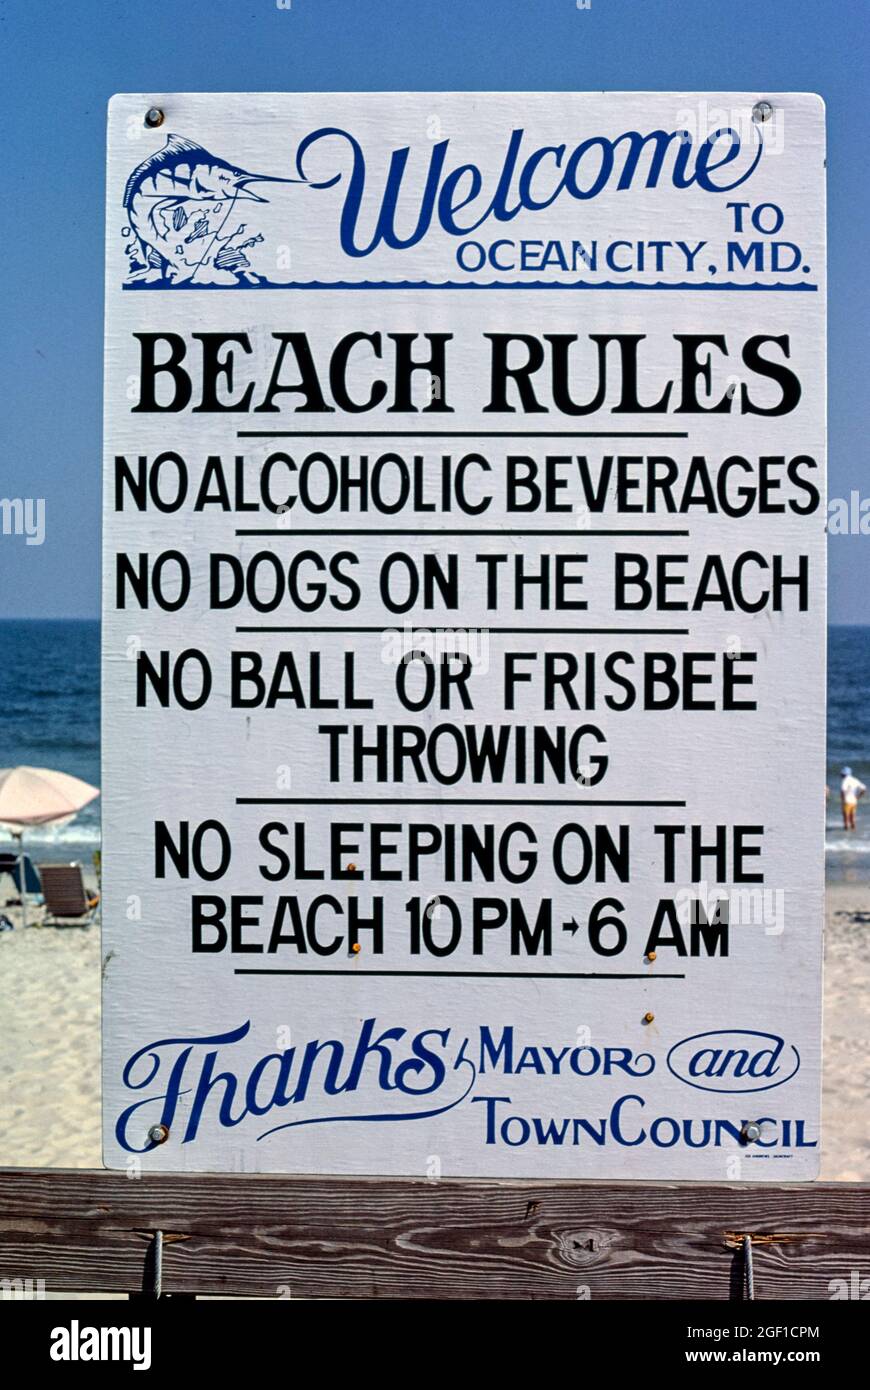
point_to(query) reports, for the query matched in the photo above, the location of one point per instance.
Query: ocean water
(50, 717)
(848, 855)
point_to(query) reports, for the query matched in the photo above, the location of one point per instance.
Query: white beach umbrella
(32, 796)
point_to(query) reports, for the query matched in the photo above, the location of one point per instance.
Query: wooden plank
(270, 1235)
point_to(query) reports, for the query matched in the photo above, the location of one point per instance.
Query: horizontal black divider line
(565, 532)
(434, 801)
(462, 974)
(482, 627)
(462, 434)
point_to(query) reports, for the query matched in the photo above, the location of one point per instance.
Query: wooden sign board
(463, 634)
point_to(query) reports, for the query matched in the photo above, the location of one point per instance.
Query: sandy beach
(50, 1063)
(846, 1076)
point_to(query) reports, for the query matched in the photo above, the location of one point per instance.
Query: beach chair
(67, 900)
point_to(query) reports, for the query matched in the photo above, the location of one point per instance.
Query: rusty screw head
(650, 955)
(356, 948)
(648, 1018)
(351, 868)
(154, 117)
(158, 1134)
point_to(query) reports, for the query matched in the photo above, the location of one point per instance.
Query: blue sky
(65, 60)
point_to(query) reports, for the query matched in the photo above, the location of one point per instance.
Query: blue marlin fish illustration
(183, 204)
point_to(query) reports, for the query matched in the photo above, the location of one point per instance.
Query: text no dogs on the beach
(463, 634)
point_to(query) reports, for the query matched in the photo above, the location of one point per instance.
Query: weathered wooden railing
(275, 1236)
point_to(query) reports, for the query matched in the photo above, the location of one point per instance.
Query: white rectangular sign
(463, 634)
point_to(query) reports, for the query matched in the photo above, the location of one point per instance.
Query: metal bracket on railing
(742, 1243)
(747, 1267)
(152, 1278)
(152, 1273)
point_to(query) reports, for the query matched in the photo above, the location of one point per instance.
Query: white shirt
(850, 789)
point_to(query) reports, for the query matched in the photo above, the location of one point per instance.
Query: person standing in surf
(851, 791)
